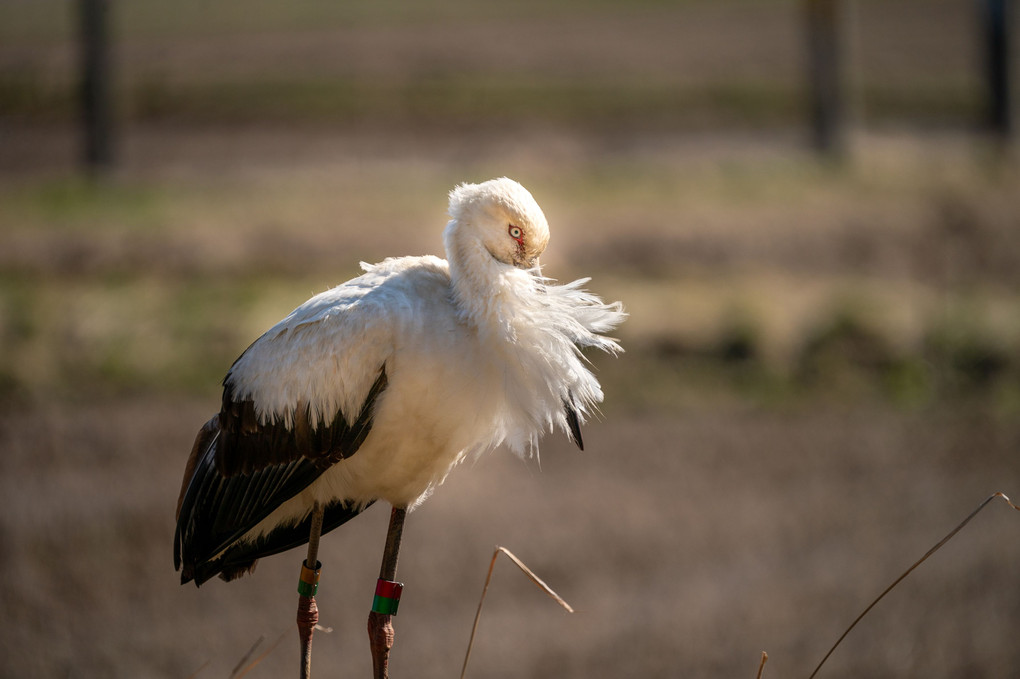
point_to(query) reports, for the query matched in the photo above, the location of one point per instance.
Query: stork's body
(375, 389)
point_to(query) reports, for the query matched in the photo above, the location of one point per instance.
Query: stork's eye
(515, 232)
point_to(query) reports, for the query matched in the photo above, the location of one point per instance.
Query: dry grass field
(822, 374)
(687, 542)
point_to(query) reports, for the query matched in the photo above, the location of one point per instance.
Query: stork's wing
(215, 510)
(238, 474)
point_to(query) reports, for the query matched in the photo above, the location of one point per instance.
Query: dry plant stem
(254, 663)
(308, 612)
(908, 571)
(380, 626)
(241, 663)
(531, 575)
(761, 665)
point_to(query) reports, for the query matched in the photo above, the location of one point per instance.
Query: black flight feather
(574, 424)
(241, 471)
(240, 557)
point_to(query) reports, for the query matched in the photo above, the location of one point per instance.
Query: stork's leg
(308, 612)
(387, 594)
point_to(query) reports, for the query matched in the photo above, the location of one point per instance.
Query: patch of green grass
(76, 202)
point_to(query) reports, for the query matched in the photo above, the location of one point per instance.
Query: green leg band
(387, 597)
(308, 583)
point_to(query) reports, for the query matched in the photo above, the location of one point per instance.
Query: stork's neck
(487, 292)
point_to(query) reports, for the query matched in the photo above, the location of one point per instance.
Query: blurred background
(809, 208)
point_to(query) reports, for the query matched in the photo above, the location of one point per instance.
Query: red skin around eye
(519, 239)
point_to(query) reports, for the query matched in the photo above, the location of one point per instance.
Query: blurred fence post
(997, 27)
(95, 92)
(826, 39)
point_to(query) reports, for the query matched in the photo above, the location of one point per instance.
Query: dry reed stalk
(244, 659)
(531, 575)
(907, 572)
(237, 675)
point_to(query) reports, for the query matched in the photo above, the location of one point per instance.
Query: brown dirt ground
(687, 543)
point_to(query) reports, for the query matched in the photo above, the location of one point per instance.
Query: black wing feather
(574, 423)
(241, 471)
(218, 509)
(240, 557)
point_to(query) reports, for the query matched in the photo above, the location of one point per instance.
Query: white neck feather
(536, 330)
(485, 289)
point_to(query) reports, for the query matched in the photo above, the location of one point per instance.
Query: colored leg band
(308, 584)
(387, 596)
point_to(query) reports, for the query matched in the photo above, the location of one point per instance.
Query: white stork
(375, 389)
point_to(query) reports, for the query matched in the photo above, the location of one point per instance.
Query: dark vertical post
(96, 107)
(826, 74)
(997, 25)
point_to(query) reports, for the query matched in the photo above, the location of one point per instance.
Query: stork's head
(503, 217)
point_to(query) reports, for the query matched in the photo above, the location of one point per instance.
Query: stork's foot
(380, 638)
